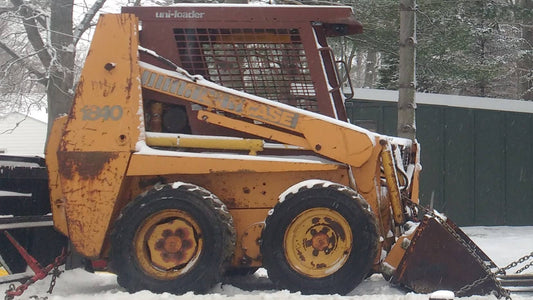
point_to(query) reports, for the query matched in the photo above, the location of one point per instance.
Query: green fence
(477, 163)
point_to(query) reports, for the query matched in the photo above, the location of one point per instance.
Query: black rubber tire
(211, 215)
(240, 272)
(355, 211)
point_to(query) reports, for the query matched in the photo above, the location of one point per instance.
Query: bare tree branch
(6, 9)
(33, 32)
(86, 22)
(42, 77)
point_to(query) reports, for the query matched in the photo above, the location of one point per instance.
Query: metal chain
(11, 288)
(55, 274)
(13, 291)
(501, 292)
(524, 268)
(515, 263)
(467, 287)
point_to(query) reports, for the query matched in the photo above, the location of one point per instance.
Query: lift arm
(329, 137)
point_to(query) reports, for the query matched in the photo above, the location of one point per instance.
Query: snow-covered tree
(38, 49)
(470, 47)
(525, 62)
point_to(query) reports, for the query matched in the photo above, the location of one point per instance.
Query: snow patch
(410, 227)
(442, 295)
(177, 184)
(142, 149)
(307, 183)
(503, 244)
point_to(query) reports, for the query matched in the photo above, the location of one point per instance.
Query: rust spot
(59, 202)
(301, 256)
(128, 86)
(230, 202)
(337, 228)
(87, 165)
(320, 241)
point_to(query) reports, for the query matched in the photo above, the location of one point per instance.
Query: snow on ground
(502, 244)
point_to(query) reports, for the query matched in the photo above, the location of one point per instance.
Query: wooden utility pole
(525, 63)
(407, 81)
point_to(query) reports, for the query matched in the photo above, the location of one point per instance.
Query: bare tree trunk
(61, 71)
(53, 40)
(525, 64)
(359, 69)
(407, 82)
(370, 69)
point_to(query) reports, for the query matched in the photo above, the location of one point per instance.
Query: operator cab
(275, 52)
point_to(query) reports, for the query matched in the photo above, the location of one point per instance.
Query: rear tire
(175, 238)
(319, 240)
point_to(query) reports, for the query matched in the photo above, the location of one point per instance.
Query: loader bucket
(442, 257)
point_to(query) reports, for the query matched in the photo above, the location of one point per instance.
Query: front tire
(321, 239)
(175, 238)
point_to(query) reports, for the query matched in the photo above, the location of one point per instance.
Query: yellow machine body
(103, 148)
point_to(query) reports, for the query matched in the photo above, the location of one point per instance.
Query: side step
(517, 282)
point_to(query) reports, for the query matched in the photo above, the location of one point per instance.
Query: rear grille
(270, 63)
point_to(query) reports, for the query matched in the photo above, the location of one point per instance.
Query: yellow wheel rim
(318, 242)
(168, 243)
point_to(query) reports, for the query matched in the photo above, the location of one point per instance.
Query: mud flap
(442, 257)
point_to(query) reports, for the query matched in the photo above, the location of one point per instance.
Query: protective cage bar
(270, 63)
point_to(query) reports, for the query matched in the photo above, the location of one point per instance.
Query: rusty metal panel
(102, 130)
(105, 113)
(57, 199)
(437, 260)
(91, 184)
(164, 164)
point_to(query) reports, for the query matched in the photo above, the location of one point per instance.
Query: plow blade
(442, 257)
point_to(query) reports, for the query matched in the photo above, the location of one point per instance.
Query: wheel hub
(171, 244)
(318, 242)
(168, 243)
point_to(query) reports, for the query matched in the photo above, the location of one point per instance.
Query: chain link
(517, 262)
(13, 291)
(467, 287)
(524, 268)
(11, 288)
(55, 274)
